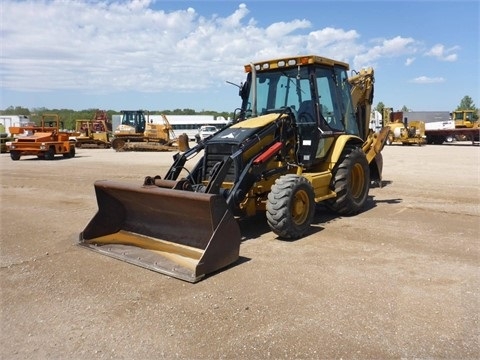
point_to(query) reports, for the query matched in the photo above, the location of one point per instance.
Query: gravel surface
(400, 280)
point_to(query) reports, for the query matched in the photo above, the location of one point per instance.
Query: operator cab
(135, 119)
(315, 89)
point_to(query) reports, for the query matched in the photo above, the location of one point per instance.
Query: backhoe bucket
(179, 233)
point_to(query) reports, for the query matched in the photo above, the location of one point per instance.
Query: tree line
(69, 116)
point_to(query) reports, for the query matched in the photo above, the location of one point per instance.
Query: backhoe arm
(362, 97)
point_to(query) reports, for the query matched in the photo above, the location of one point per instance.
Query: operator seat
(306, 119)
(305, 112)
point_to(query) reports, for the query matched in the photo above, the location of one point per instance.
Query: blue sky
(158, 55)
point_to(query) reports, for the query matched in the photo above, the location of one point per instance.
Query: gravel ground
(400, 280)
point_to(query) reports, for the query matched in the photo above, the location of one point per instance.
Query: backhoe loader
(300, 137)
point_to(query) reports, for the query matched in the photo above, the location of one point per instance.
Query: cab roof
(294, 61)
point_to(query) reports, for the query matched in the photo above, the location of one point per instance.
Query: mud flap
(179, 233)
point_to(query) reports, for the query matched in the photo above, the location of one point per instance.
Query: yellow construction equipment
(138, 133)
(300, 137)
(403, 130)
(465, 118)
(94, 133)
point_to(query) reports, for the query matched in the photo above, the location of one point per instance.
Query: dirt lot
(400, 280)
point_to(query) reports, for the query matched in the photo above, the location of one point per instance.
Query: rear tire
(290, 206)
(351, 182)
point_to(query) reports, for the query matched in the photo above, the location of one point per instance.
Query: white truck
(205, 131)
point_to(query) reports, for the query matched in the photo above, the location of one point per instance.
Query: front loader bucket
(179, 233)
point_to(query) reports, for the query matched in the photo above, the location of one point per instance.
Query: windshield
(317, 95)
(460, 115)
(279, 89)
(135, 119)
(320, 93)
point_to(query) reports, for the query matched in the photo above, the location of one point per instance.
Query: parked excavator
(301, 137)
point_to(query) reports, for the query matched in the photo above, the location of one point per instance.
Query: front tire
(71, 153)
(351, 182)
(50, 154)
(15, 155)
(290, 206)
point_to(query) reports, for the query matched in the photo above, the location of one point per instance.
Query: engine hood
(36, 137)
(239, 132)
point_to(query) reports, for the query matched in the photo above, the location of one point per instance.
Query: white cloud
(116, 45)
(235, 19)
(280, 29)
(386, 48)
(438, 51)
(136, 5)
(339, 44)
(409, 61)
(427, 80)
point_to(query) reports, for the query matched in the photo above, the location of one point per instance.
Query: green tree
(17, 110)
(466, 104)
(380, 107)
(405, 109)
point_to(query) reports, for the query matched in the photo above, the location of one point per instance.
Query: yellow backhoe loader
(301, 137)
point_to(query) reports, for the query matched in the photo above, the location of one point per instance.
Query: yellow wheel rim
(300, 206)
(357, 181)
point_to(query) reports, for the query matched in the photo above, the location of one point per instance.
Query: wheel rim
(357, 181)
(300, 207)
